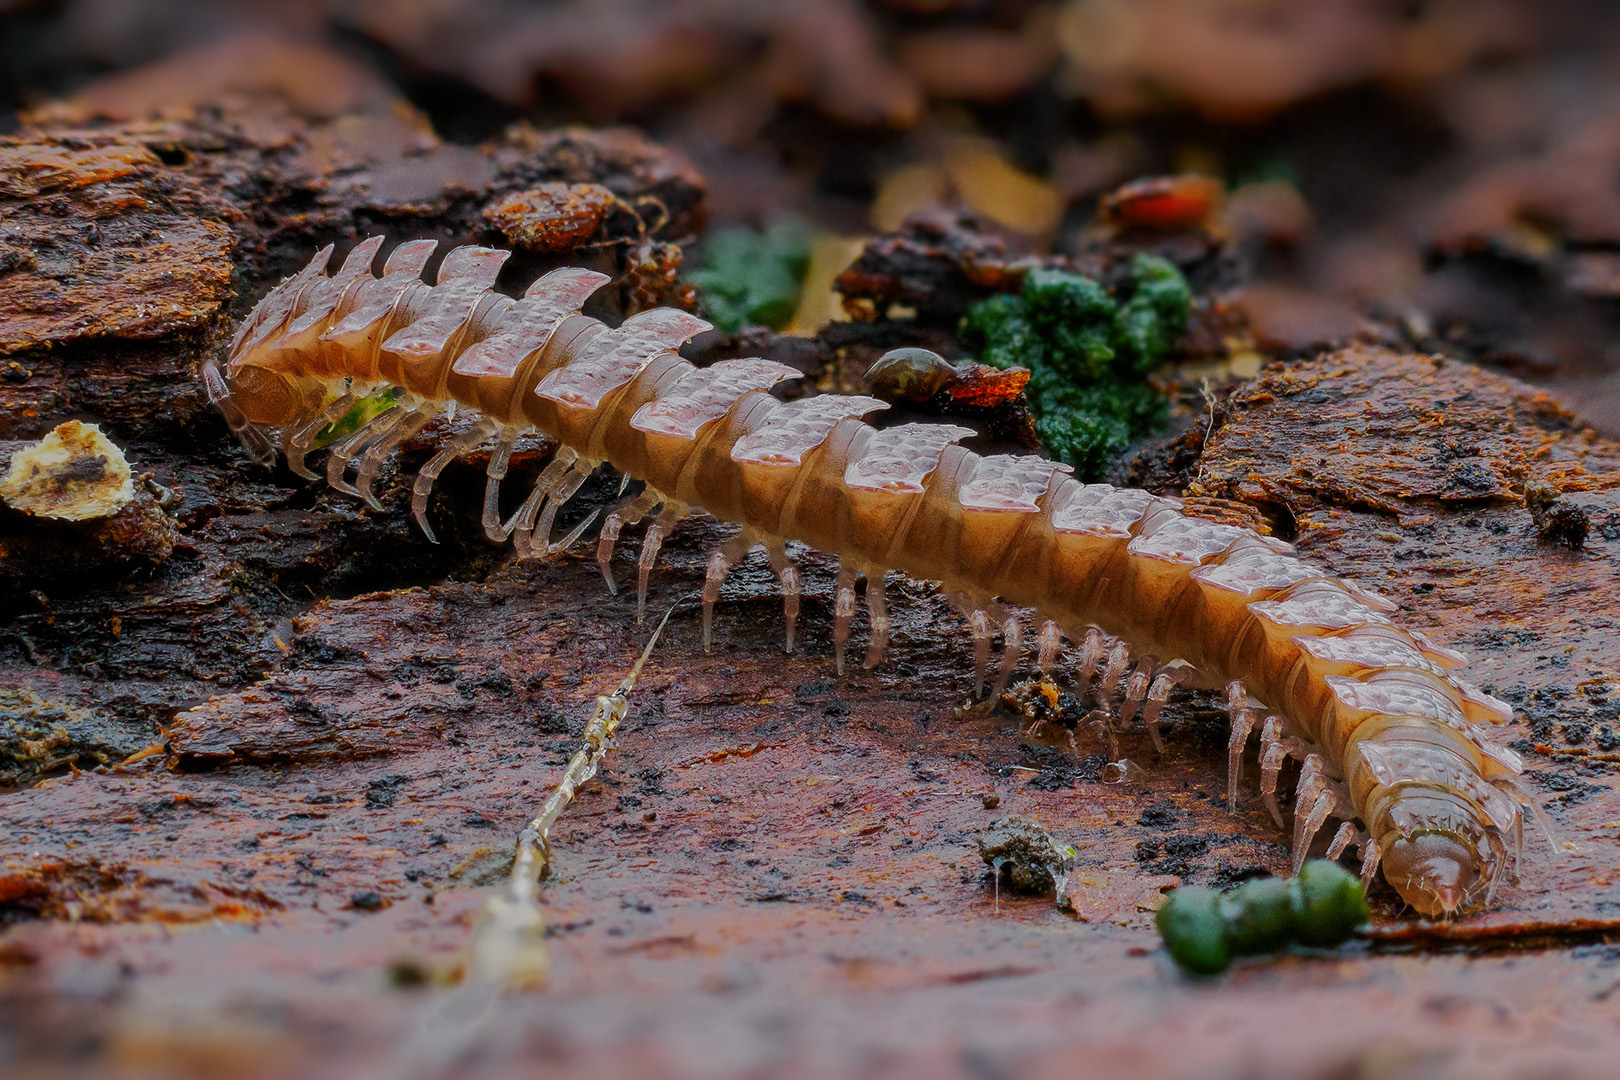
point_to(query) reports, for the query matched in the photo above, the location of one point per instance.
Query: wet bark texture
(776, 872)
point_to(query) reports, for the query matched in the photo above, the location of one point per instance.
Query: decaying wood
(346, 725)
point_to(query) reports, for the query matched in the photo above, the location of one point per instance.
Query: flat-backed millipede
(1389, 738)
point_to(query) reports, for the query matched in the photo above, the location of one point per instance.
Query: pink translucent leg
(522, 522)
(720, 561)
(499, 459)
(302, 437)
(1341, 840)
(251, 435)
(573, 534)
(371, 462)
(422, 488)
(1369, 861)
(1158, 694)
(1050, 641)
(1102, 723)
(1243, 719)
(979, 626)
(1136, 689)
(649, 554)
(565, 490)
(1307, 825)
(343, 452)
(843, 613)
(1273, 752)
(789, 575)
(1313, 801)
(626, 514)
(1012, 650)
(1118, 660)
(551, 478)
(606, 541)
(1091, 656)
(877, 607)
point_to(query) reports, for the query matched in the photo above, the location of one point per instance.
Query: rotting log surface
(776, 870)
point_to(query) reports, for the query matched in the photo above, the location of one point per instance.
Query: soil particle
(1023, 852)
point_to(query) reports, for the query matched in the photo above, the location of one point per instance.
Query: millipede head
(270, 397)
(1438, 872)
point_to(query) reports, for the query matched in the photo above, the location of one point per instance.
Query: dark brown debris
(1557, 521)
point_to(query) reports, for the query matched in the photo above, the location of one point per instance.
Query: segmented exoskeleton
(1387, 735)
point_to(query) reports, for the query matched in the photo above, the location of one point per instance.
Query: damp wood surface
(776, 868)
(775, 872)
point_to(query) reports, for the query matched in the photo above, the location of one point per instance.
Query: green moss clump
(1204, 929)
(1087, 352)
(752, 278)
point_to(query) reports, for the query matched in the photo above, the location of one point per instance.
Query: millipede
(1390, 739)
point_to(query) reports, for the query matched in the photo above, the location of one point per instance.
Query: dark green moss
(749, 277)
(1087, 352)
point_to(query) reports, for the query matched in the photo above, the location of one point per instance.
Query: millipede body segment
(1389, 737)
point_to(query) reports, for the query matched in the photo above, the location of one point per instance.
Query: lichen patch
(73, 474)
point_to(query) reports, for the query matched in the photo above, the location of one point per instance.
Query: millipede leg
(522, 522)
(1158, 694)
(606, 541)
(1527, 802)
(712, 580)
(302, 437)
(1103, 723)
(1307, 825)
(1118, 660)
(1243, 718)
(1136, 690)
(343, 452)
(1012, 651)
(789, 575)
(626, 514)
(573, 534)
(1499, 866)
(1341, 840)
(644, 566)
(565, 490)
(1050, 641)
(1369, 861)
(1312, 786)
(720, 561)
(499, 459)
(422, 488)
(843, 613)
(372, 460)
(1091, 656)
(1273, 752)
(522, 525)
(979, 625)
(650, 546)
(877, 607)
